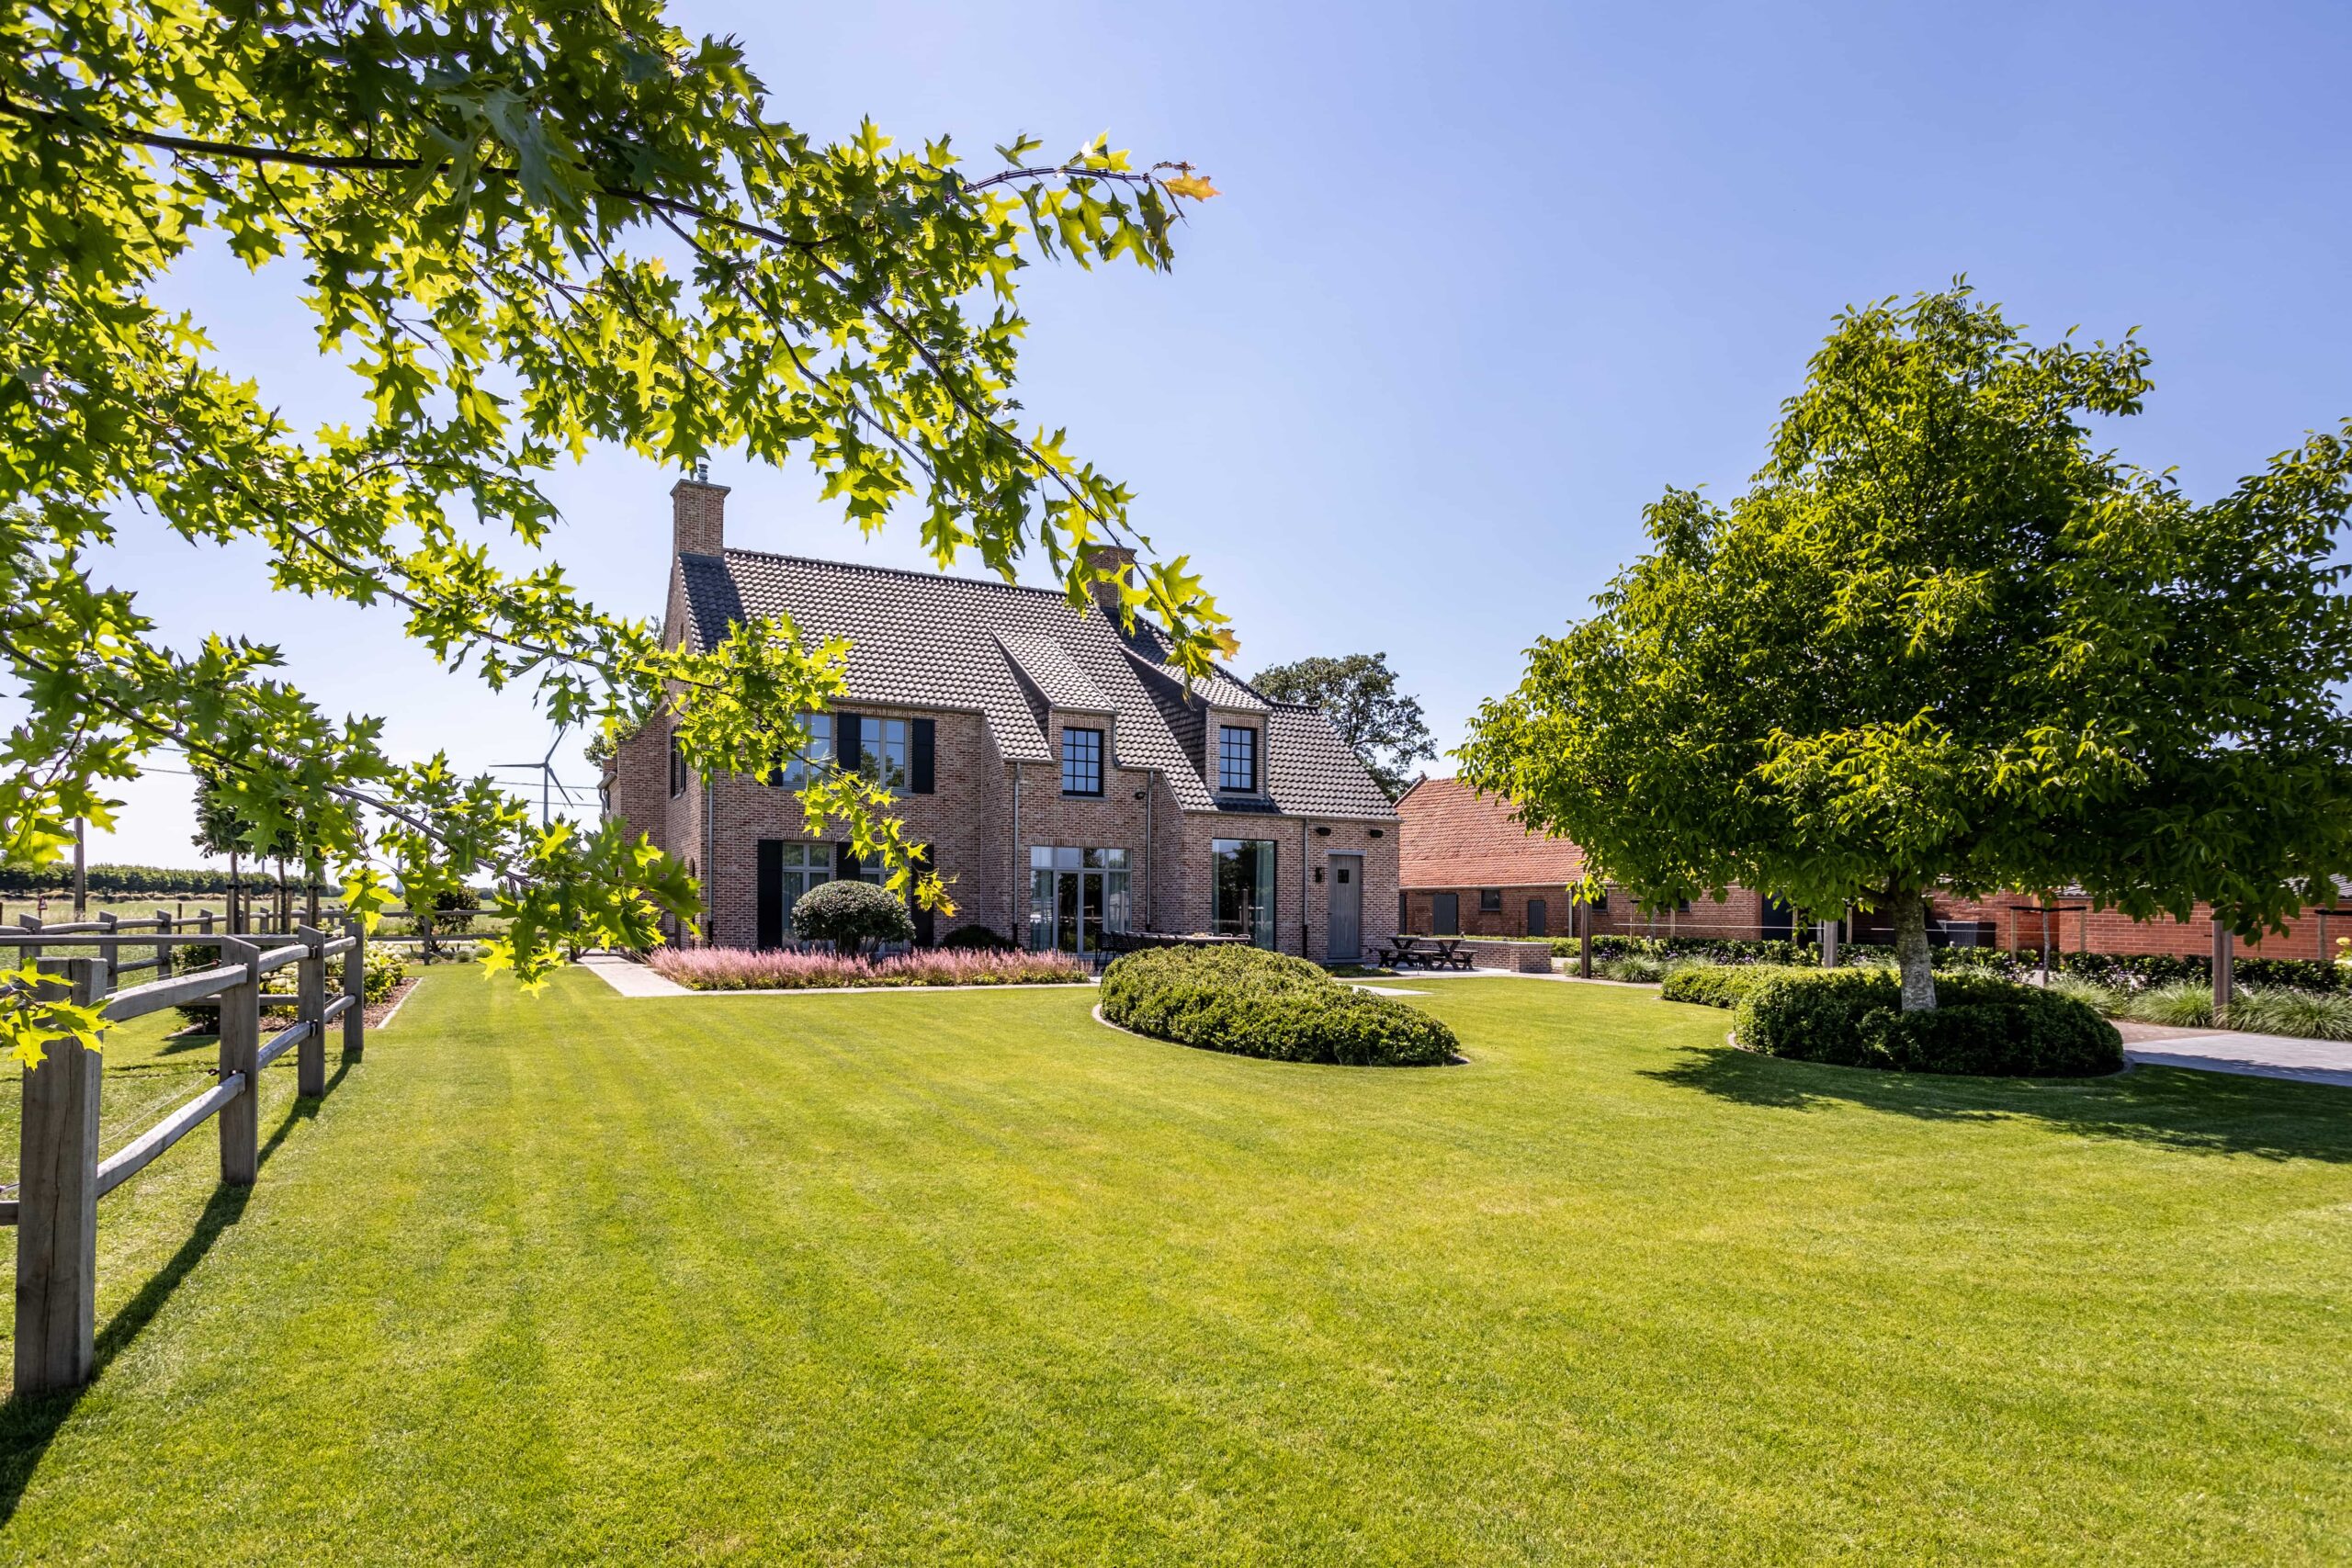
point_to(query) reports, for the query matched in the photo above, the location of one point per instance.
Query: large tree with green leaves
(1947, 640)
(527, 227)
(1358, 693)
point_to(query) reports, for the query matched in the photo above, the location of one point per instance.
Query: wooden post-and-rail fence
(60, 1176)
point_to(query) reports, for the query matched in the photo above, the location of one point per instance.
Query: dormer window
(1081, 760)
(1237, 758)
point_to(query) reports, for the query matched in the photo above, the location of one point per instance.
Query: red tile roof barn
(1451, 837)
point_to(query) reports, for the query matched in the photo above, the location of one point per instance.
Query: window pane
(1041, 910)
(1090, 911)
(1115, 859)
(1081, 761)
(1262, 915)
(883, 742)
(1068, 858)
(1065, 926)
(1041, 855)
(1237, 758)
(815, 749)
(1243, 870)
(1115, 913)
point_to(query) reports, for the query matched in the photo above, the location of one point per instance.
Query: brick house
(1068, 783)
(1470, 868)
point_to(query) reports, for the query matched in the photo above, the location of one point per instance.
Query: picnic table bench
(1425, 953)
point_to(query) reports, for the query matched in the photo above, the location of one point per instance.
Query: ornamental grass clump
(1254, 1003)
(743, 969)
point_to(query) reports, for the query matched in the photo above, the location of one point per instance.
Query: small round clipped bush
(851, 914)
(1254, 1003)
(979, 938)
(1992, 1028)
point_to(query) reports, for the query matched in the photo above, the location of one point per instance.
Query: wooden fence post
(204, 922)
(425, 924)
(2224, 971)
(57, 1199)
(1829, 944)
(354, 985)
(240, 1043)
(1583, 953)
(162, 945)
(311, 985)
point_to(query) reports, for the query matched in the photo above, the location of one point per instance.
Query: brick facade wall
(981, 849)
(2107, 930)
(955, 820)
(1738, 914)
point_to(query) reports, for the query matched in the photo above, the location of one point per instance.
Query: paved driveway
(2235, 1051)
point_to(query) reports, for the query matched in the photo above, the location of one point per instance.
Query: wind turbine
(549, 782)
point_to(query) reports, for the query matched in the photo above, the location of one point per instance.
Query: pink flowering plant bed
(742, 969)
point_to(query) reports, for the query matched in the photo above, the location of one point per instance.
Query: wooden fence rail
(60, 1176)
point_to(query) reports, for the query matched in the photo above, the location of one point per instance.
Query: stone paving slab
(629, 978)
(2257, 1055)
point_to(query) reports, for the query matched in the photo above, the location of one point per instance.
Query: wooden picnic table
(1404, 951)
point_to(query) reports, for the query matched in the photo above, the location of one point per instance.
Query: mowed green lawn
(930, 1278)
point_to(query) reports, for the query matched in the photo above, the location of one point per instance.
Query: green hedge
(2139, 971)
(1720, 985)
(1709, 949)
(1981, 1025)
(2121, 971)
(1254, 1003)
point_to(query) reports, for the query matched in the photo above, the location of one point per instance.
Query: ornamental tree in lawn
(526, 226)
(1946, 641)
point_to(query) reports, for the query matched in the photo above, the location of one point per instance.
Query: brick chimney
(1121, 561)
(699, 514)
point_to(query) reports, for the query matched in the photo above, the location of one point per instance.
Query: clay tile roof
(1048, 667)
(923, 639)
(1451, 837)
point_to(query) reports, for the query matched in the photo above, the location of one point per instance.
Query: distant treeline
(107, 881)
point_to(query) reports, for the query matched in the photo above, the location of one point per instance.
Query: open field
(965, 1278)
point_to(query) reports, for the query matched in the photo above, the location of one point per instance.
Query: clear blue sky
(1483, 280)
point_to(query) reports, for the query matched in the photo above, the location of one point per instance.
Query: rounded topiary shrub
(851, 914)
(1853, 1018)
(1254, 1003)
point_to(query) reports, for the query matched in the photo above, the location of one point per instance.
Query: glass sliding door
(1244, 876)
(1077, 898)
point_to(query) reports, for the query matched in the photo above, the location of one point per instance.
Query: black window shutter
(926, 926)
(919, 766)
(771, 917)
(849, 749)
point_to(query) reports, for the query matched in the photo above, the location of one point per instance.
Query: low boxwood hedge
(1254, 1003)
(1980, 1026)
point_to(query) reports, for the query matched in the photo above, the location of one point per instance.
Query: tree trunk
(1911, 952)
